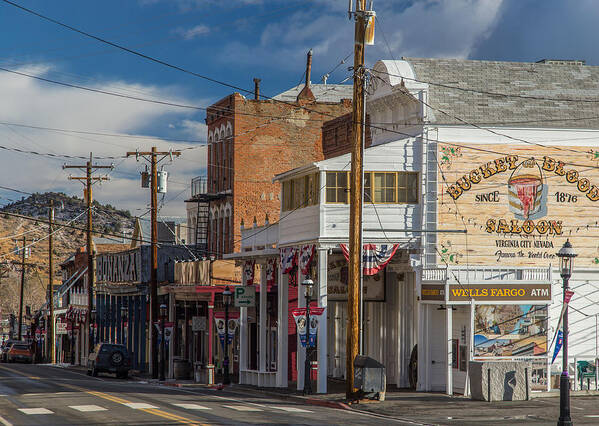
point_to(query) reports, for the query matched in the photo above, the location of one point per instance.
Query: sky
(230, 41)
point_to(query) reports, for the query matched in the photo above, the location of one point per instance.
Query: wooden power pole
(50, 352)
(361, 17)
(153, 159)
(89, 180)
(22, 293)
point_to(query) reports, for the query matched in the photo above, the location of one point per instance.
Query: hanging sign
(61, 327)
(231, 329)
(220, 330)
(337, 278)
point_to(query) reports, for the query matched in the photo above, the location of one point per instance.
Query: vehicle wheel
(117, 358)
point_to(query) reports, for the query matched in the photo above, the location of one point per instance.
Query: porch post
(323, 326)
(449, 351)
(243, 335)
(282, 329)
(301, 351)
(263, 314)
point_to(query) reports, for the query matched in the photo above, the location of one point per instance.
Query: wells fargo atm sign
(518, 208)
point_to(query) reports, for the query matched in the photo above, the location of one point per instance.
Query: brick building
(249, 142)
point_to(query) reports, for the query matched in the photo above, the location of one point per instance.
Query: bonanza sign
(518, 208)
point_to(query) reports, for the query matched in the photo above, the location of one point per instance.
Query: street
(40, 394)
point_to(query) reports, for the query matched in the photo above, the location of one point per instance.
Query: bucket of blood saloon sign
(518, 207)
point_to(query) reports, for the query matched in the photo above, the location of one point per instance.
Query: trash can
(181, 368)
(370, 377)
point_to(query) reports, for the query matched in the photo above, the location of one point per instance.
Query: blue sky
(232, 41)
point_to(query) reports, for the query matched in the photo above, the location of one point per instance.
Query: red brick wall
(270, 138)
(337, 136)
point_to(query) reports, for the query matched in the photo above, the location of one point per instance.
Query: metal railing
(486, 273)
(199, 185)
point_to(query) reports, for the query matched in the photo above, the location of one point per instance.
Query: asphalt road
(46, 395)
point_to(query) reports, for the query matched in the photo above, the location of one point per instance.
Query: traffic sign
(245, 296)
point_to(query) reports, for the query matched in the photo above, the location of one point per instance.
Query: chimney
(308, 68)
(306, 94)
(257, 88)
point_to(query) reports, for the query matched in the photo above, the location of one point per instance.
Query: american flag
(374, 257)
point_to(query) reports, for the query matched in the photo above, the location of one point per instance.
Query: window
(385, 189)
(312, 189)
(299, 193)
(337, 187)
(379, 187)
(288, 195)
(407, 188)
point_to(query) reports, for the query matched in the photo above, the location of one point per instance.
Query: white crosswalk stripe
(291, 409)
(35, 411)
(139, 405)
(192, 406)
(87, 408)
(242, 408)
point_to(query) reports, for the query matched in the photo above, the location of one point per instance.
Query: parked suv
(20, 352)
(109, 358)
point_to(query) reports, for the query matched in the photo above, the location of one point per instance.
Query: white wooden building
(480, 171)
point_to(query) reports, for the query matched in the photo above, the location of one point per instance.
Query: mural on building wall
(519, 204)
(510, 330)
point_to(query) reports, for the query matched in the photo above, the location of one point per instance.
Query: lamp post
(226, 301)
(308, 287)
(123, 321)
(92, 323)
(566, 257)
(162, 342)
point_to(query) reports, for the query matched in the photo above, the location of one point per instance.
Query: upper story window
(300, 192)
(379, 187)
(337, 187)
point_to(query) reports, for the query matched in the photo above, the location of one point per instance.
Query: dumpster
(370, 377)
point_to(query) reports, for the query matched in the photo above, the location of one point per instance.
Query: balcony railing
(482, 273)
(199, 185)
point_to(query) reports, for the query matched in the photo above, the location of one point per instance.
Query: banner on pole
(307, 333)
(558, 345)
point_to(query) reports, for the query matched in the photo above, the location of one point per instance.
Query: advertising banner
(518, 206)
(299, 315)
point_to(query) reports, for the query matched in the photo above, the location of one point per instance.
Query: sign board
(518, 206)
(61, 327)
(500, 292)
(337, 276)
(245, 296)
(198, 324)
(119, 267)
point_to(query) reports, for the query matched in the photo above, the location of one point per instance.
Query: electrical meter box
(162, 177)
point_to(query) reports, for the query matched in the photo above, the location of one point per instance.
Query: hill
(68, 210)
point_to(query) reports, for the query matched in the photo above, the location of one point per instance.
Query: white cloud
(195, 129)
(193, 32)
(427, 28)
(27, 101)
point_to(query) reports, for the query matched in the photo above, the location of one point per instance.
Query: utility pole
(24, 255)
(361, 17)
(89, 180)
(154, 249)
(50, 352)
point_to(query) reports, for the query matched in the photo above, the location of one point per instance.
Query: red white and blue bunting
(374, 257)
(288, 259)
(305, 258)
(248, 272)
(271, 267)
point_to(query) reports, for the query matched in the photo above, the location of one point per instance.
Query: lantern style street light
(226, 301)
(566, 257)
(162, 342)
(308, 288)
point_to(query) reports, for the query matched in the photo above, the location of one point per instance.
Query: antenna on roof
(350, 9)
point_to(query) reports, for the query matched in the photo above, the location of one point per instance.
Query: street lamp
(92, 322)
(308, 288)
(226, 301)
(123, 321)
(162, 339)
(566, 257)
